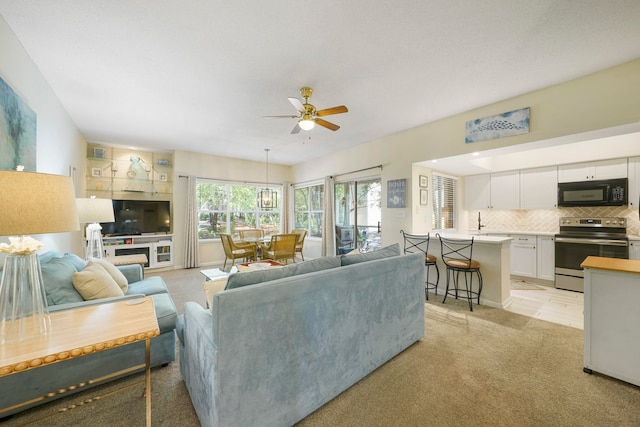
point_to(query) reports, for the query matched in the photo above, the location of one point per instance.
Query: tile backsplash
(546, 220)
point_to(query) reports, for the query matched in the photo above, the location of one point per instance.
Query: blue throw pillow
(77, 262)
(57, 275)
(388, 251)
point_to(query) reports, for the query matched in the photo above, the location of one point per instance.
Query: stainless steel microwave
(610, 192)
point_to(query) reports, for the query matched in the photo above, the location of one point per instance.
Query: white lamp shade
(36, 203)
(94, 210)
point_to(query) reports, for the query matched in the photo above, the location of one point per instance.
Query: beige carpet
(489, 367)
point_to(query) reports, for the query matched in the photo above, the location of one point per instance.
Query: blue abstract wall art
(17, 131)
(506, 124)
(397, 193)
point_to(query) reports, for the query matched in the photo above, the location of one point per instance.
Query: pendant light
(268, 199)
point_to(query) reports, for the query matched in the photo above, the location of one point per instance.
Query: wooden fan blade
(327, 124)
(297, 104)
(296, 129)
(279, 117)
(333, 110)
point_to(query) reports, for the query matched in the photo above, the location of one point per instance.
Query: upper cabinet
(539, 188)
(492, 191)
(603, 169)
(117, 173)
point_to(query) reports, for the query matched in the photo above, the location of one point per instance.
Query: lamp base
(23, 302)
(95, 249)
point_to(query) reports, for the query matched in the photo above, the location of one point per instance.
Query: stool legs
(454, 273)
(431, 285)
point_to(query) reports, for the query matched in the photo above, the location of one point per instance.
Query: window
(444, 202)
(229, 208)
(308, 207)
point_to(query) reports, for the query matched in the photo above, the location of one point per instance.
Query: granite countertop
(485, 232)
(477, 238)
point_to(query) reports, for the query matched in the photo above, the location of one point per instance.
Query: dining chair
(457, 255)
(252, 233)
(234, 250)
(281, 247)
(414, 243)
(302, 234)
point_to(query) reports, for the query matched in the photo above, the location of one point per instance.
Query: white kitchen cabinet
(634, 182)
(524, 256)
(505, 190)
(546, 258)
(539, 188)
(492, 191)
(603, 169)
(634, 249)
(477, 192)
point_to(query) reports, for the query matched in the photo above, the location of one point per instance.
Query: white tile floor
(550, 304)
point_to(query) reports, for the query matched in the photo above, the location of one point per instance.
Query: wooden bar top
(82, 331)
(612, 264)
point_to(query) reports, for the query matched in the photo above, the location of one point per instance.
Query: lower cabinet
(546, 258)
(634, 249)
(524, 256)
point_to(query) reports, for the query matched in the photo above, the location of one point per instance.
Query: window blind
(444, 202)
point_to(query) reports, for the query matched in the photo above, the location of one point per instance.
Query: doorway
(358, 215)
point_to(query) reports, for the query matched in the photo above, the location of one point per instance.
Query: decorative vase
(23, 303)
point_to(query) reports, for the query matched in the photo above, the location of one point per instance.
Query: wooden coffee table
(82, 331)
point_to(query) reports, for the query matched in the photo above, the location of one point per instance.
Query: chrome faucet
(480, 225)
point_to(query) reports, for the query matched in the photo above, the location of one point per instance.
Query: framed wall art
(424, 181)
(397, 193)
(96, 172)
(424, 197)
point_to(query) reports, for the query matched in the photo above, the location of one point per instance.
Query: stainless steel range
(582, 237)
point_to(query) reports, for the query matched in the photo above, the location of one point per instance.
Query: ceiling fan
(308, 116)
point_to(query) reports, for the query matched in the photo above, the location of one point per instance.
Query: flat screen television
(134, 217)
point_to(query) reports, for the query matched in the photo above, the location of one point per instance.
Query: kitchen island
(611, 317)
(494, 255)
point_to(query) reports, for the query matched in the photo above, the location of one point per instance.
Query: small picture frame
(424, 181)
(96, 172)
(424, 197)
(163, 162)
(162, 177)
(98, 153)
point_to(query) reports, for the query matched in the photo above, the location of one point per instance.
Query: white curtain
(328, 226)
(287, 188)
(191, 246)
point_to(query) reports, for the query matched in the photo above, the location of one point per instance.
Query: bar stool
(414, 243)
(457, 254)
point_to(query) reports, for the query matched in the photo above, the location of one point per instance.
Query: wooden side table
(85, 330)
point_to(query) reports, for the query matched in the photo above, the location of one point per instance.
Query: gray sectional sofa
(277, 344)
(57, 272)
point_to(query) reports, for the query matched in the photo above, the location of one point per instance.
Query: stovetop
(593, 228)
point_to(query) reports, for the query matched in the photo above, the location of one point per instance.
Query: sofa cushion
(114, 273)
(387, 251)
(77, 262)
(57, 276)
(150, 286)
(165, 312)
(94, 283)
(212, 287)
(317, 264)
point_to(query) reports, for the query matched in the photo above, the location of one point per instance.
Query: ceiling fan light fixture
(307, 122)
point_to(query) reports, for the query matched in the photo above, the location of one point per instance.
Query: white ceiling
(199, 75)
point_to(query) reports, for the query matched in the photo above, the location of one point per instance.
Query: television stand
(157, 248)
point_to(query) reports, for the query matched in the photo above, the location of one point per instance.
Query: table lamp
(92, 211)
(30, 203)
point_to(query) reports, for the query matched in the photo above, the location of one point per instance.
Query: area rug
(521, 285)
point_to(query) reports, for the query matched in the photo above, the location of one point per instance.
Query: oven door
(570, 252)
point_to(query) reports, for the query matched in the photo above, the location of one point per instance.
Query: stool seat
(430, 258)
(462, 263)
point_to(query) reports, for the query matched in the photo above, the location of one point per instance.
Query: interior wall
(605, 99)
(60, 146)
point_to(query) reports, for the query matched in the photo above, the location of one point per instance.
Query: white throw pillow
(114, 272)
(95, 283)
(212, 287)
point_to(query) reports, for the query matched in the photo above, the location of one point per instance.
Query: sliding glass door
(358, 215)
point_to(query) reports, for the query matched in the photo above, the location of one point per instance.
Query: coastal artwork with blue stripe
(506, 124)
